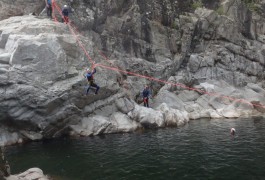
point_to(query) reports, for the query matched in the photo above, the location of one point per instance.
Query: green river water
(203, 149)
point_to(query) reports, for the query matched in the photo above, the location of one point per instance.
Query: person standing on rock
(65, 12)
(90, 78)
(146, 95)
(49, 8)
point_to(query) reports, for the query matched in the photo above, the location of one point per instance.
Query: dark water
(202, 149)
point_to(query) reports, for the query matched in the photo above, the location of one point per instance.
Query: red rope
(180, 85)
(76, 37)
(152, 78)
(53, 12)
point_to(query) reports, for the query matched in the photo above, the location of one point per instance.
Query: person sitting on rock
(65, 12)
(49, 8)
(146, 95)
(90, 79)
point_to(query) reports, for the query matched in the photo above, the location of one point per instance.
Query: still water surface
(203, 149)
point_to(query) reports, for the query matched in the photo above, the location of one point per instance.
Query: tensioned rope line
(155, 79)
(53, 4)
(76, 37)
(180, 85)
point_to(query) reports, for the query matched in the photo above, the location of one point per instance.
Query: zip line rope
(152, 78)
(76, 37)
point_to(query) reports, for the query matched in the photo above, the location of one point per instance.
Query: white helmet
(88, 69)
(65, 6)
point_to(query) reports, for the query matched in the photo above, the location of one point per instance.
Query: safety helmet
(65, 6)
(88, 69)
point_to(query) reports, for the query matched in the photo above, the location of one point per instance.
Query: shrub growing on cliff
(220, 10)
(197, 4)
(174, 25)
(252, 4)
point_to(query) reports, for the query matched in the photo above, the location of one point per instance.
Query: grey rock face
(20, 7)
(214, 63)
(42, 82)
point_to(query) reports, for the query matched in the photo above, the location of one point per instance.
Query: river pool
(203, 149)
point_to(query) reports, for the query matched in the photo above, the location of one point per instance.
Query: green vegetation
(174, 25)
(252, 4)
(197, 4)
(220, 10)
(251, 1)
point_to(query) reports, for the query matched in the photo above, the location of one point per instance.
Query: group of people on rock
(65, 10)
(89, 75)
(146, 93)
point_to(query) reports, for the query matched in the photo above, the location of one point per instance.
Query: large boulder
(30, 174)
(173, 117)
(91, 126)
(147, 117)
(121, 123)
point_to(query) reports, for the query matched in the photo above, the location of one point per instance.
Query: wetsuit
(146, 94)
(65, 12)
(91, 82)
(49, 8)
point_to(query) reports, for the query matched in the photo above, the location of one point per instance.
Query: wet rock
(31, 135)
(121, 123)
(91, 126)
(4, 166)
(8, 138)
(173, 117)
(30, 174)
(147, 117)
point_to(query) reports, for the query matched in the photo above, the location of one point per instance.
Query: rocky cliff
(213, 57)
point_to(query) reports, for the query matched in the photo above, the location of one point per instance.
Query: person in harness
(146, 95)
(90, 79)
(65, 12)
(49, 7)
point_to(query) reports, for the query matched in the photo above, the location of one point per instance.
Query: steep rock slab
(42, 78)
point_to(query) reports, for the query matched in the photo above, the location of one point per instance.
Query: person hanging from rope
(65, 12)
(146, 95)
(90, 78)
(49, 8)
